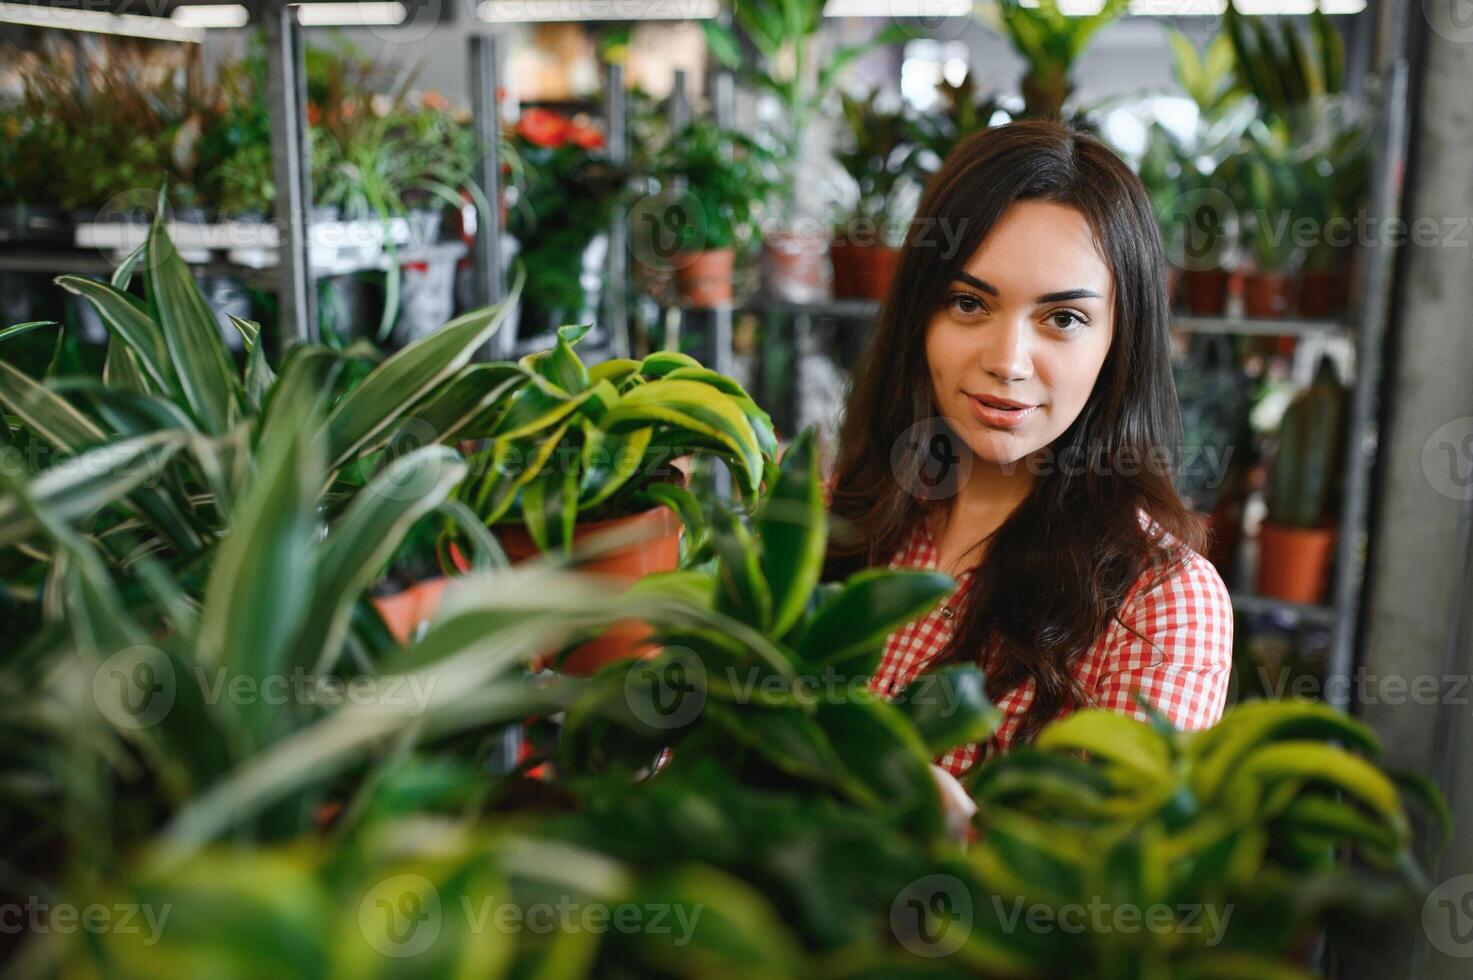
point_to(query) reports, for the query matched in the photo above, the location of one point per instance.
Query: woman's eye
(965, 303)
(1066, 319)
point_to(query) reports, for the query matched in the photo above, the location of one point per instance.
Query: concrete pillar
(1418, 633)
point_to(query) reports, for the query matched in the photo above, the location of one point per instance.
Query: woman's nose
(1005, 352)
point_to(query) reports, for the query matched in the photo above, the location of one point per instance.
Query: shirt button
(947, 612)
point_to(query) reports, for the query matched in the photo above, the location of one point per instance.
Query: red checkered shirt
(1183, 671)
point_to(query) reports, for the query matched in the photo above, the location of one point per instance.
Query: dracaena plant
(564, 442)
(748, 835)
(185, 426)
(879, 154)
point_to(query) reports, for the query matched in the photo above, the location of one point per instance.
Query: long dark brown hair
(1057, 570)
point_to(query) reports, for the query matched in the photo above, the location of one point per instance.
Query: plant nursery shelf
(1249, 602)
(101, 263)
(1260, 326)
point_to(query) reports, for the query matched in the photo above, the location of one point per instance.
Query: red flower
(586, 137)
(543, 127)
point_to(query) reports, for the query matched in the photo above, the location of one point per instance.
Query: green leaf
(408, 376)
(83, 485)
(871, 605)
(561, 365)
(261, 583)
(742, 590)
(191, 334)
(1112, 737)
(24, 328)
(949, 707)
(609, 462)
(699, 409)
(45, 413)
(456, 404)
(794, 531)
(131, 326)
(365, 538)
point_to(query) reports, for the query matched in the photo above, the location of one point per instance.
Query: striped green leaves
(564, 439)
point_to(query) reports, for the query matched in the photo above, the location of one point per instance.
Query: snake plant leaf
(88, 482)
(794, 531)
(561, 364)
(132, 327)
(870, 605)
(609, 462)
(45, 413)
(363, 540)
(742, 591)
(191, 334)
(697, 408)
(1118, 739)
(261, 583)
(949, 707)
(406, 377)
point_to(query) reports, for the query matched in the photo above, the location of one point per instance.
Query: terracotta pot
(703, 279)
(862, 271)
(656, 549)
(1206, 291)
(1268, 294)
(1294, 562)
(1224, 535)
(1321, 294)
(403, 612)
(792, 266)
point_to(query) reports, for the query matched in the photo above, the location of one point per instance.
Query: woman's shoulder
(1188, 594)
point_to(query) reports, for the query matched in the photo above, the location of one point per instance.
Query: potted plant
(560, 214)
(579, 459)
(1297, 540)
(1338, 157)
(1050, 41)
(789, 68)
(1199, 229)
(334, 839)
(961, 110)
(725, 176)
(877, 153)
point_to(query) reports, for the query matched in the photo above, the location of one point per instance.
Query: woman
(1014, 426)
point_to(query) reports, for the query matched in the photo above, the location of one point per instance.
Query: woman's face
(1028, 321)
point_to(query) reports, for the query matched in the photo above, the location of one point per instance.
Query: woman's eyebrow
(1058, 297)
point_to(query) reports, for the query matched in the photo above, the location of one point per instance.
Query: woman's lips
(999, 417)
